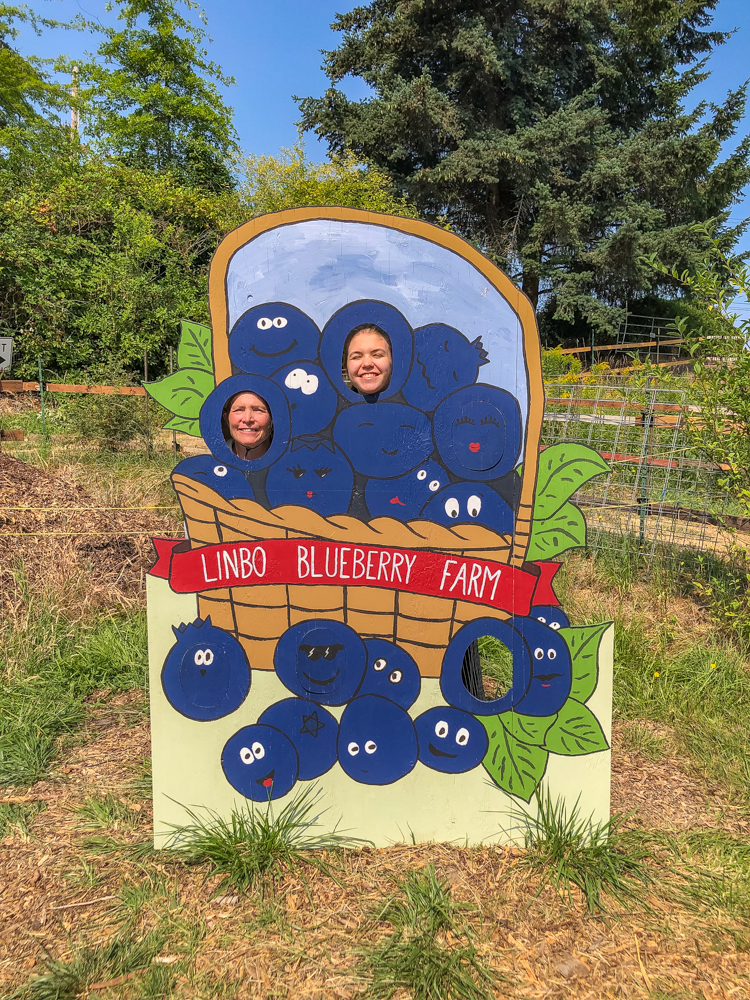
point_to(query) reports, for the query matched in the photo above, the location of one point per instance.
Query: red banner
(312, 563)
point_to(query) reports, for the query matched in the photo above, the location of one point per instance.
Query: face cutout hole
(367, 360)
(487, 671)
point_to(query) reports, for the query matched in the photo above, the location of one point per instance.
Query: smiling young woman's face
(250, 425)
(369, 362)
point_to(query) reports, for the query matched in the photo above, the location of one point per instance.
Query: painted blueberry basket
(393, 518)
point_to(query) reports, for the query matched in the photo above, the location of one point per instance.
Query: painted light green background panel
(424, 806)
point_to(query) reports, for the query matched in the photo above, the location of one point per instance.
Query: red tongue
(474, 446)
(396, 500)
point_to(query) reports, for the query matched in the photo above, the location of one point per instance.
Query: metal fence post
(148, 429)
(41, 395)
(174, 432)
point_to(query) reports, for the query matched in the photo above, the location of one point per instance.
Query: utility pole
(73, 108)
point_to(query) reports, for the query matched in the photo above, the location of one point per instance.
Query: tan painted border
(520, 304)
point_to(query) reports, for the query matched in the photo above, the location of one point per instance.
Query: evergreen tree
(553, 133)
(150, 99)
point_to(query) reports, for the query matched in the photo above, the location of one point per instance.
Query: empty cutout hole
(487, 670)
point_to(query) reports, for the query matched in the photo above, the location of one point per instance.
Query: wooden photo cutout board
(327, 618)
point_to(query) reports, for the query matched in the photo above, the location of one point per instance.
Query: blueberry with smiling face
(403, 498)
(384, 440)
(321, 660)
(377, 742)
(478, 432)
(206, 674)
(444, 360)
(269, 336)
(553, 617)
(312, 730)
(315, 475)
(469, 503)
(391, 673)
(312, 398)
(229, 482)
(542, 677)
(260, 762)
(450, 740)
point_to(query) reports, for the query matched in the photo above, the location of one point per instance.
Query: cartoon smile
(389, 452)
(276, 354)
(321, 683)
(440, 753)
(396, 500)
(546, 679)
(474, 446)
(268, 780)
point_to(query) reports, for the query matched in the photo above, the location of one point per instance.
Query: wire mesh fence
(660, 492)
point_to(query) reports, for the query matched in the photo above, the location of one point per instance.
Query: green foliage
(183, 392)
(567, 851)
(16, 818)
(254, 846)
(566, 529)
(106, 811)
(575, 731)
(563, 171)
(583, 643)
(514, 766)
(555, 364)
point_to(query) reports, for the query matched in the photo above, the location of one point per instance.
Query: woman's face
(249, 422)
(368, 362)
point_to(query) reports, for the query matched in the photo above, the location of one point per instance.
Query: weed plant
(431, 952)
(106, 812)
(568, 851)
(16, 818)
(255, 847)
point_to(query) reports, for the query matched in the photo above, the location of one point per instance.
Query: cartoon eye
(451, 507)
(473, 505)
(395, 676)
(538, 654)
(208, 657)
(310, 385)
(434, 485)
(370, 747)
(441, 730)
(323, 472)
(199, 658)
(279, 322)
(246, 756)
(297, 471)
(542, 620)
(259, 751)
(264, 323)
(490, 420)
(464, 420)
(554, 625)
(380, 664)
(296, 378)
(220, 470)
(551, 654)
(462, 737)
(422, 474)
(353, 749)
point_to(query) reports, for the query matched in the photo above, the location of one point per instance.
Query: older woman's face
(249, 420)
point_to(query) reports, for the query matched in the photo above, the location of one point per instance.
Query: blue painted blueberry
(227, 481)
(546, 669)
(206, 674)
(315, 475)
(271, 335)
(384, 440)
(549, 615)
(321, 660)
(469, 503)
(377, 741)
(391, 673)
(404, 498)
(444, 360)
(312, 398)
(478, 432)
(260, 762)
(312, 730)
(450, 740)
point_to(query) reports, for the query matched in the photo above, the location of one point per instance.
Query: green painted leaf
(583, 644)
(183, 424)
(576, 731)
(515, 766)
(562, 469)
(194, 350)
(527, 728)
(183, 392)
(565, 530)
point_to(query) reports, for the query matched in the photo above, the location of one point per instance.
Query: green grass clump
(567, 851)
(255, 846)
(106, 812)
(16, 817)
(431, 952)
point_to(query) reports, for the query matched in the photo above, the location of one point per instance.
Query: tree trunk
(530, 287)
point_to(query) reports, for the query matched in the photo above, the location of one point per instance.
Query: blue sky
(272, 49)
